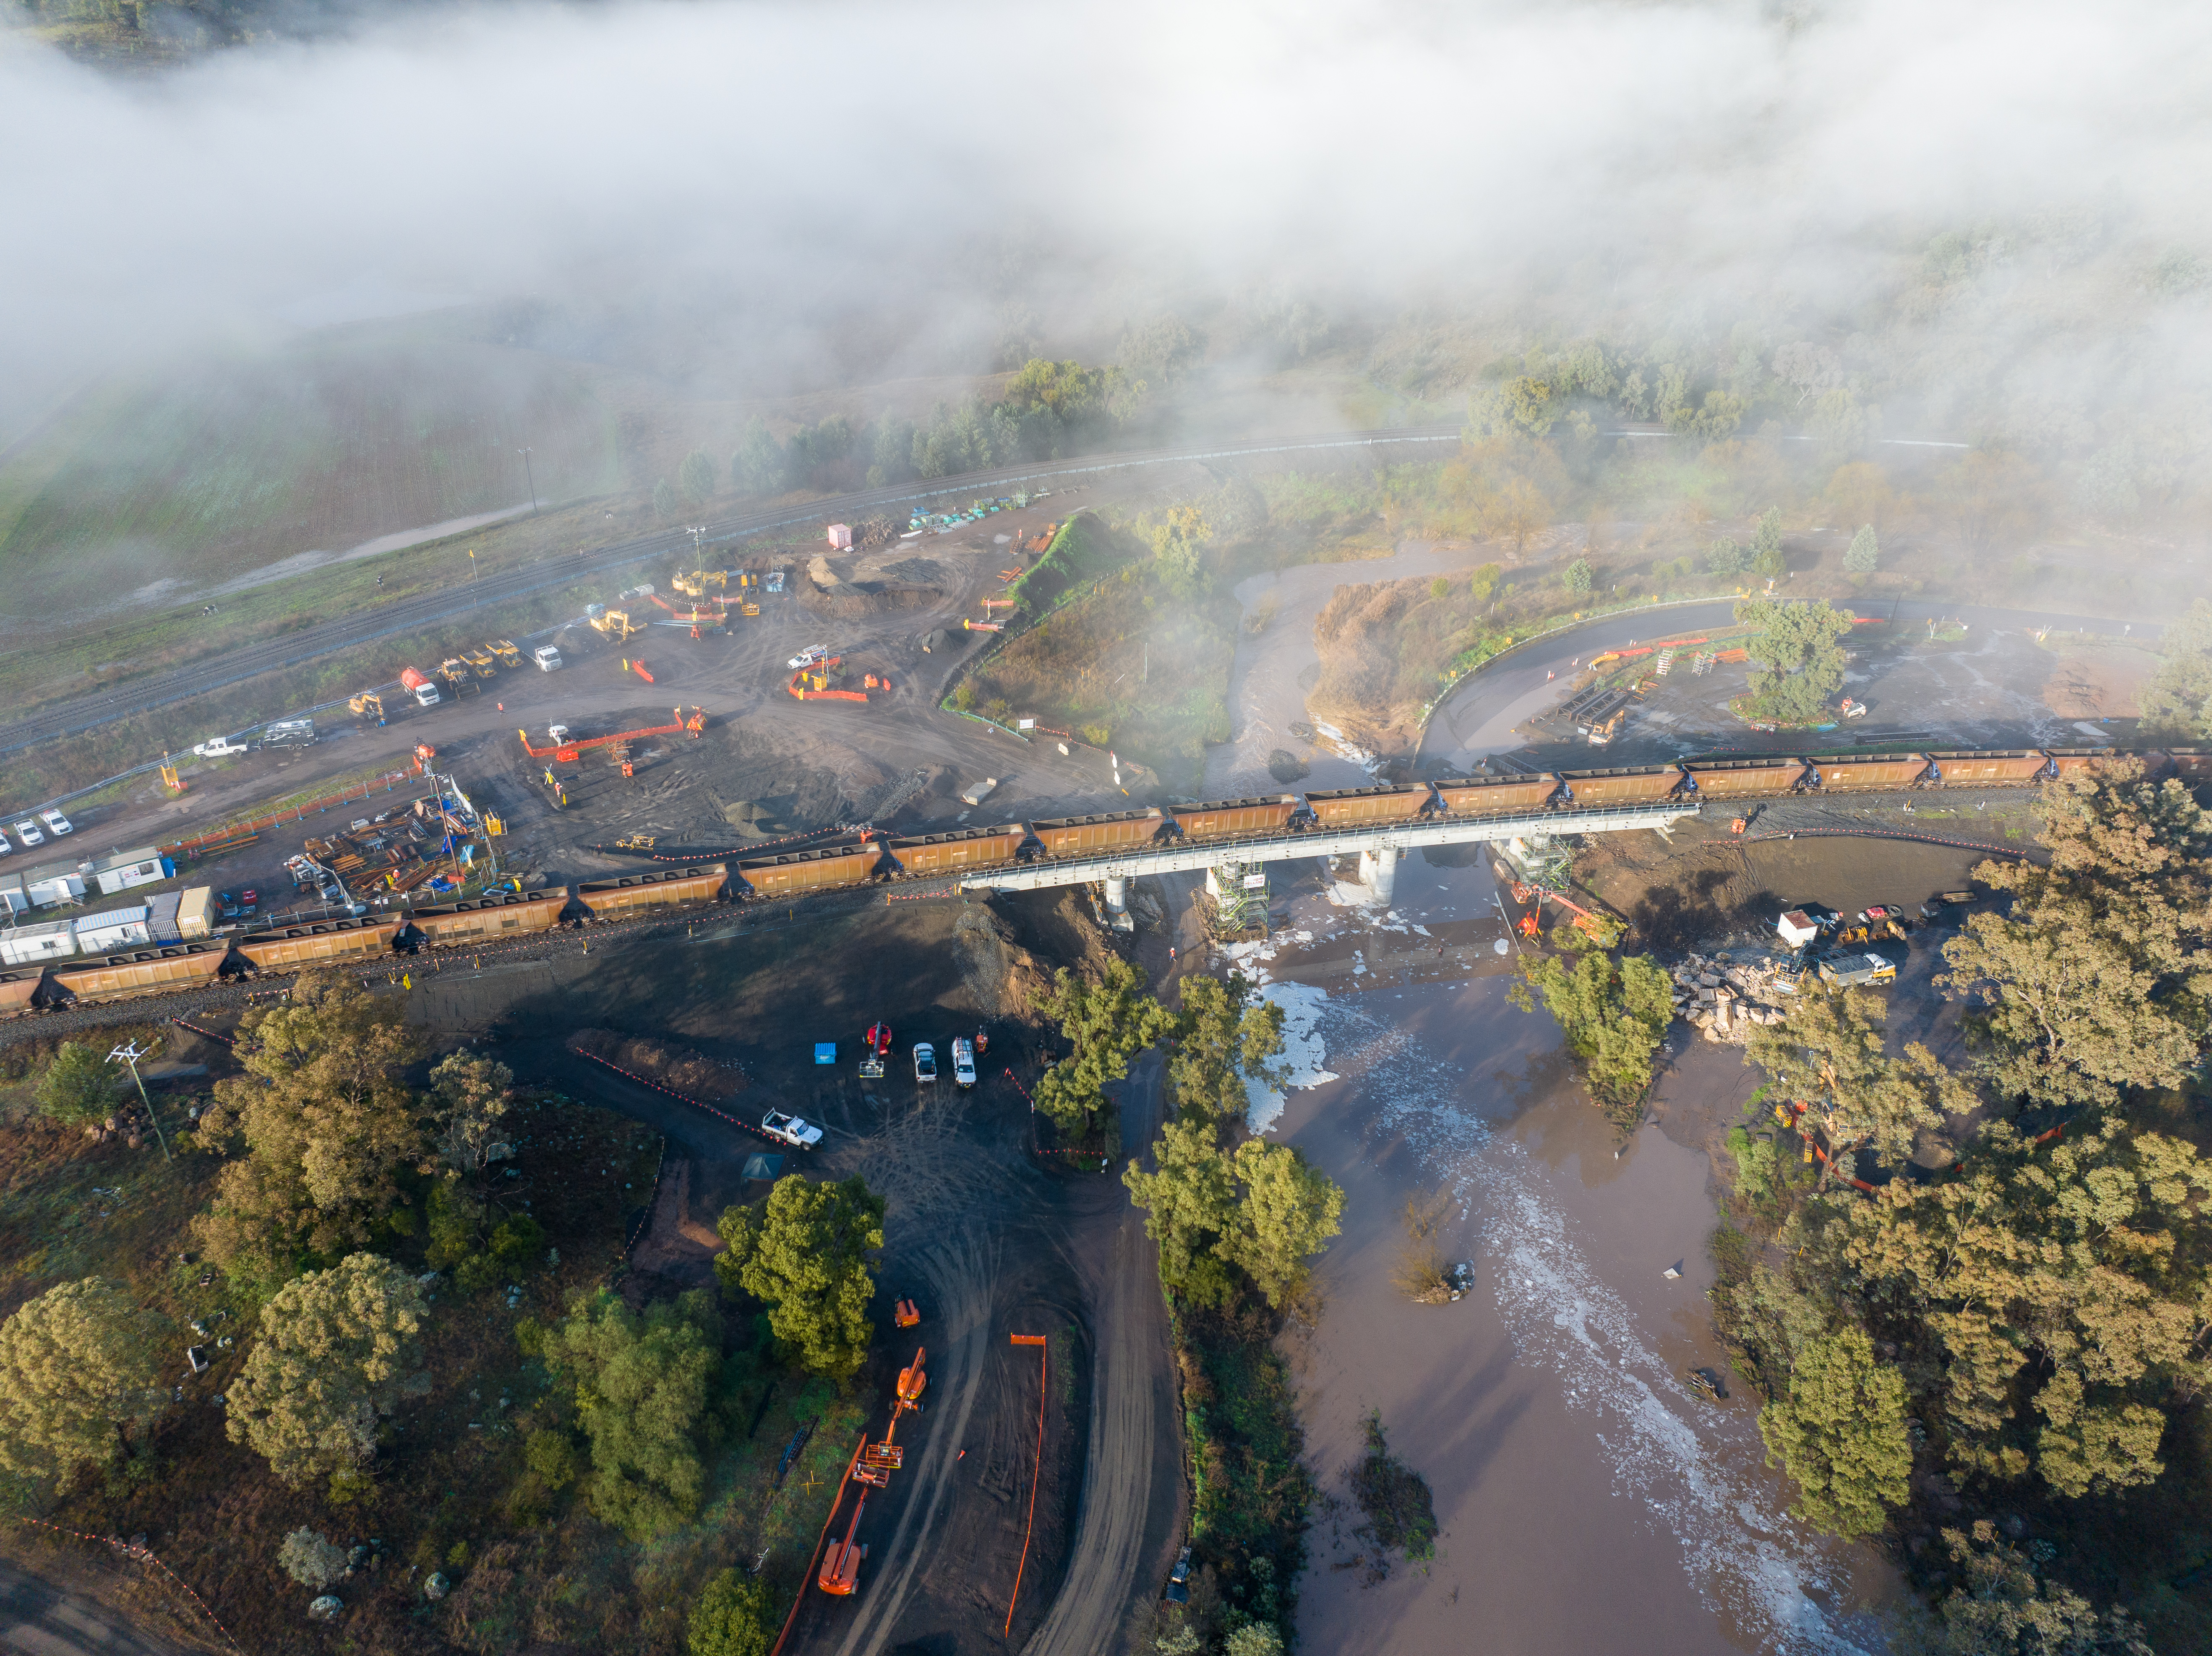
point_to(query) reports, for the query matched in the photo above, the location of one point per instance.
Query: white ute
(791, 1130)
(925, 1061)
(59, 823)
(963, 1062)
(27, 832)
(221, 746)
(808, 657)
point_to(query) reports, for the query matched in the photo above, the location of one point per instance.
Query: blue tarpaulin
(825, 1052)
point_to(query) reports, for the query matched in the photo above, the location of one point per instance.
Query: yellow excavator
(615, 624)
(367, 705)
(695, 585)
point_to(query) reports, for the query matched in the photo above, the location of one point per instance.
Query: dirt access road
(40, 1619)
(412, 614)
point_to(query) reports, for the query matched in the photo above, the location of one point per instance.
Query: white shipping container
(45, 889)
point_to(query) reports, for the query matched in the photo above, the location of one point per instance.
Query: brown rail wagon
(1621, 785)
(17, 988)
(1215, 816)
(1075, 836)
(626, 895)
(2071, 761)
(482, 919)
(1736, 779)
(319, 943)
(144, 972)
(1989, 765)
(1897, 771)
(1482, 796)
(798, 872)
(2190, 764)
(976, 847)
(1389, 803)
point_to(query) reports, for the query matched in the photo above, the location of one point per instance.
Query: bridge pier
(1117, 894)
(1378, 871)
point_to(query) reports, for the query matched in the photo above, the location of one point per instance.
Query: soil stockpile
(1382, 646)
(679, 1067)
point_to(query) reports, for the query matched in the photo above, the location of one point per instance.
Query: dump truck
(1857, 971)
(419, 685)
(481, 662)
(504, 653)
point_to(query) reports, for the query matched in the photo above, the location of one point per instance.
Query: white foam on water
(1303, 1052)
(1742, 1555)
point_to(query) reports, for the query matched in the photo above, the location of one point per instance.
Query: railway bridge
(1377, 844)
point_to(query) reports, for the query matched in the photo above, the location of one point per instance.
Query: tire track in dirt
(963, 1273)
(1122, 1474)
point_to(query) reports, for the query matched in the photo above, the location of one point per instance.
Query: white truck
(221, 746)
(790, 1130)
(963, 1062)
(546, 657)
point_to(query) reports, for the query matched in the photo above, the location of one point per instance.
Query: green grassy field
(146, 496)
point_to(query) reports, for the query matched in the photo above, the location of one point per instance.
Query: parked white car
(27, 832)
(4, 847)
(925, 1061)
(59, 823)
(808, 657)
(221, 746)
(963, 1062)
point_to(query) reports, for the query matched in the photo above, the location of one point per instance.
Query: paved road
(40, 1619)
(413, 614)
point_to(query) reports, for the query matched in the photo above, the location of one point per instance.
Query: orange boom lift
(841, 1567)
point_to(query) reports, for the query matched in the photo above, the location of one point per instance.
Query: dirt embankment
(691, 1073)
(1382, 646)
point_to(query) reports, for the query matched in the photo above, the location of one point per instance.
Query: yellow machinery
(456, 674)
(504, 649)
(480, 659)
(366, 705)
(751, 609)
(695, 585)
(615, 624)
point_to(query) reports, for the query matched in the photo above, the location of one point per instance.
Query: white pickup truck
(790, 1130)
(963, 1062)
(221, 746)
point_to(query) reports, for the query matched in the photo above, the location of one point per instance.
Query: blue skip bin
(825, 1052)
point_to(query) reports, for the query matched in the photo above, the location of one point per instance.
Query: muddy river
(1587, 1500)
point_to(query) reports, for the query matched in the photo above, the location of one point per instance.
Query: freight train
(505, 917)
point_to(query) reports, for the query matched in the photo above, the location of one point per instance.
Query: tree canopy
(1800, 663)
(2178, 701)
(1828, 1053)
(337, 1352)
(1106, 1024)
(1613, 1010)
(328, 1122)
(804, 1255)
(78, 1376)
(1840, 1435)
(735, 1617)
(644, 1386)
(80, 1085)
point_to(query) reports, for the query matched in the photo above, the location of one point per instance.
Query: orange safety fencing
(292, 814)
(144, 1555)
(801, 1597)
(1044, 1361)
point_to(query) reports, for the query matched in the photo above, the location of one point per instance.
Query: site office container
(1988, 765)
(2070, 761)
(1392, 802)
(319, 943)
(143, 972)
(18, 989)
(630, 894)
(195, 912)
(503, 914)
(1897, 771)
(1621, 784)
(33, 945)
(1735, 778)
(1268, 815)
(1484, 795)
(1075, 836)
(975, 847)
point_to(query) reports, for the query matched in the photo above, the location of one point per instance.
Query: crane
(1602, 928)
(841, 1567)
(566, 751)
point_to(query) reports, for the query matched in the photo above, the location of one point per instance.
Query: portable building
(162, 911)
(27, 945)
(114, 930)
(13, 900)
(125, 868)
(51, 884)
(195, 912)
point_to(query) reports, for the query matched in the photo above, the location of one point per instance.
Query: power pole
(529, 471)
(130, 1054)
